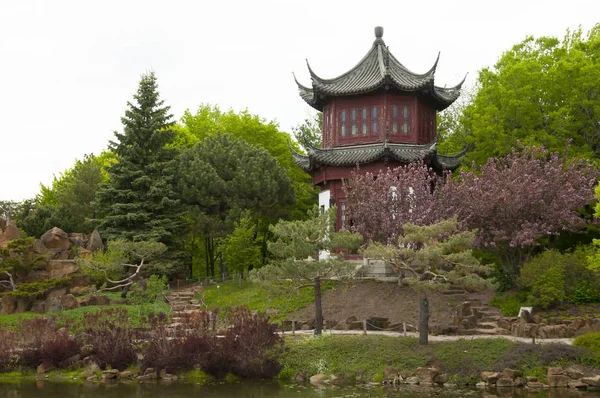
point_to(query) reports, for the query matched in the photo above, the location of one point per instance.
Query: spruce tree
(139, 202)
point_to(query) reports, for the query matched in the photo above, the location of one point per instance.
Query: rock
(11, 232)
(44, 367)
(537, 319)
(575, 372)
(351, 319)
(39, 307)
(481, 384)
(23, 304)
(127, 374)
(110, 374)
(555, 371)
(554, 332)
(358, 325)
(558, 381)
(69, 362)
(411, 380)
(95, 242)
(69, 302)
(504, 382)
(93, 378)
(405, 374)
(98, 299)
(519, 382)
(149, 377)
(150, 371)
(504, 323)
(463, 310)
(510, 373)
(59, 269)
(591, 381)
(318, 379)
(531, 379)
(390, 373)
(535, 384)
(54, 239)
(426, 375)
(577, 384)
(77, 239)
(490, 377)
(440, 378)
(9, 304)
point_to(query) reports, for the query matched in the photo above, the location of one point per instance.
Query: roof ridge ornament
(379, 35)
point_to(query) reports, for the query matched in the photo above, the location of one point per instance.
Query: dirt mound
(368, 299)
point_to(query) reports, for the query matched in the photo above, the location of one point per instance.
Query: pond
(252, 389)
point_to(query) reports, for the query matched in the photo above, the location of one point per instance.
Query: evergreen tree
(139, 202)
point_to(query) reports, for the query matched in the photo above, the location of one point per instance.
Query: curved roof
(364, 154)
(376, 69)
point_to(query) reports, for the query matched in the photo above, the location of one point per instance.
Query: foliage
(43, 341)
(69, 203)
(436, 252)
(108, 333)
(590, 341)
(114, 263)
(380, 204)
(552, 277)
(310, 131)
(510, 303)
(155, 286)
(16, 257)
(222, 177)
(139, 202)
(543, 91)
(241, 251)
(209, 120)
(38, 289)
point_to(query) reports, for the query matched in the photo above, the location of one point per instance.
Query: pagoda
(377, 115)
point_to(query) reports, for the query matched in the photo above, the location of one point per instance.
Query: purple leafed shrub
(113, 340)
(8, 342)
(42, 341)
(180, 346)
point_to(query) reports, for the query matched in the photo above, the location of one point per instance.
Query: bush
(8, 342)
(552, 277)
(108, 332)
(155, 286)
(590, 341)
(180, 347)
(509, 303)
(42, 341)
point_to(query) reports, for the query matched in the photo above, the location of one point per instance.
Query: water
(252, 390)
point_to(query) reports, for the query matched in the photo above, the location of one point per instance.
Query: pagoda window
(343, 215)
(405, 124)
(353, 118)
(374, 112)
(364, 120)
(395, 115)
(325, 124)
(343, 123)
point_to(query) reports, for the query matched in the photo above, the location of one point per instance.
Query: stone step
(453, 292)
(488, 332)
(490, 318)
(486, 325)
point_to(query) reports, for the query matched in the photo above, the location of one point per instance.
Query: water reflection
(258, 390)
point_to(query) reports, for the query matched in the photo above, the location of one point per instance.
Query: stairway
(474, 317)
(184, 302)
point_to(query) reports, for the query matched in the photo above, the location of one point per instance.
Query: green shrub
(591, 341)
(155, 285)
(510, 303)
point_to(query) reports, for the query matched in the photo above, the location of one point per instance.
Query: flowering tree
(380, 204)
(515, 200)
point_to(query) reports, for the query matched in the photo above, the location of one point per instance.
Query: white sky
(67, 68)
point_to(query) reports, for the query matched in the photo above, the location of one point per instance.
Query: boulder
(592, 381)
(535, 384)
(98, 299)
(390, 373)
(23, 304)
(575, 372)
(69, 302)
(440, 378)
(554, 332)
(504, 382)
(463, 310)
(504, 323)
(78, 239)
(511, 373)
(555, 371)
(95, 242)
(38, 307)
(519, 382)
(577, 384)
(411, 380)
(110, 374)
(11, 232)
(59, 269)
(318, 379)
(54, 239)
(531, 379)
(490, 377)
(558, 381)
(481, 384)
(9, 304)
(44, 367)
(351, 319)
(426, 375)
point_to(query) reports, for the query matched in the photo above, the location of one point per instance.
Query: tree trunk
(424, 320)
(318, 308)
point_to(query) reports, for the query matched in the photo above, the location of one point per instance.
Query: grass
(365, 357)
(137, 314)
(509, 303)
(277, 302)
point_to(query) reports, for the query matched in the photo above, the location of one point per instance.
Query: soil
(368, 299)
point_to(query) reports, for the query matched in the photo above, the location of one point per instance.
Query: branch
(303, 286)
(11, 281)
(116, 287)
(435, 276)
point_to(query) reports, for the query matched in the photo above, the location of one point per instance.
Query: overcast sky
(67, 68)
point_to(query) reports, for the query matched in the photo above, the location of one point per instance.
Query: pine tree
(139, 202)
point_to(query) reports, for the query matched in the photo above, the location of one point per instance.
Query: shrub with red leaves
(107, 331)
(42, 341)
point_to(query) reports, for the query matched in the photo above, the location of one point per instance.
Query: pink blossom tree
(515, 200)
(380, 204)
